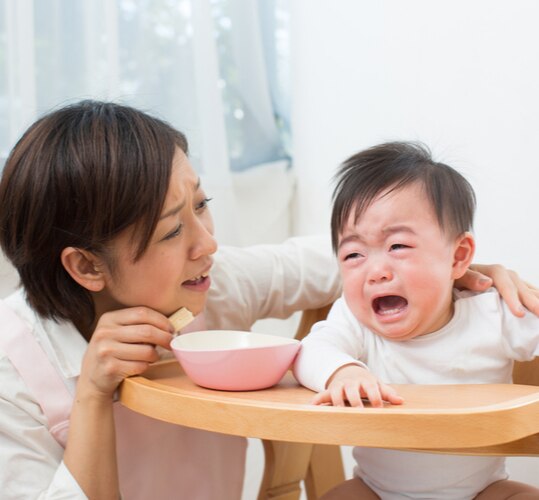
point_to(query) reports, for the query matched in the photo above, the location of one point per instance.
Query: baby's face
(397, 266)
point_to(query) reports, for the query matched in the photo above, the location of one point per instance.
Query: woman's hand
(351, 383)
(517, 293)
(123, 344)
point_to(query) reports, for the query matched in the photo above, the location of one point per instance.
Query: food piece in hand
(181, 318)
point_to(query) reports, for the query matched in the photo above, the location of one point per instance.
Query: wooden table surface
(458, 418)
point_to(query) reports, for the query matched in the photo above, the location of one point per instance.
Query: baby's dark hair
(392, 166)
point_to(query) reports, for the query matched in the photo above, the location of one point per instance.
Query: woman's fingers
(136, 334)
(115, 370)
(474, 280)
(517, 293)
(124, 344)
(509, 286)
(123, 351)
(136, 325)
(137, 316)
(529, 296)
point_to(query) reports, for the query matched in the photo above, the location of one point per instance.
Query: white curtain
(199, 64)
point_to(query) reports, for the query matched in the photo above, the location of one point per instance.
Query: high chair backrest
(526, 373)
(309, 317)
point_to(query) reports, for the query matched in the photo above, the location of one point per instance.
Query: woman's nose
(203, 242)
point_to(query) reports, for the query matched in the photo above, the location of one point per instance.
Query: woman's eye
(174, 233)
(203, 204)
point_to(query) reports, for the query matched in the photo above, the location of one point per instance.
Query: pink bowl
(234, 361)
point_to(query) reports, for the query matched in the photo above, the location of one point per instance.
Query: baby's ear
(463, 254)
(83, 267)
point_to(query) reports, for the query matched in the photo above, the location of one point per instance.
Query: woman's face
(173, 271)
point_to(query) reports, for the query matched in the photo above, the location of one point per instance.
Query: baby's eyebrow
(398, 229)
(386, 231)
(349, 238)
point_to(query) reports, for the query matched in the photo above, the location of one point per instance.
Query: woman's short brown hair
(78, 177)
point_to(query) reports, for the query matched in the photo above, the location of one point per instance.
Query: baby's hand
(351, 383)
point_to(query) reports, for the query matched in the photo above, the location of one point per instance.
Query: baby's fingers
(390, 395)
(371, 391)
(353, 395)
(333, 396)
(336, 393)
(321, 398)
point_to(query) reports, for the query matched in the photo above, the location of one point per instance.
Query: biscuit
(181, 318)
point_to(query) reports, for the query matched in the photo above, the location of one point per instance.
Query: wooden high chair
(320, 467)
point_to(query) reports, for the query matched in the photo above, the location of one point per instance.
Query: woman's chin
(196, 307)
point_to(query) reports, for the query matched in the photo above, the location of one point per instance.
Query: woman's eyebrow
(176, 209)
(172, 211)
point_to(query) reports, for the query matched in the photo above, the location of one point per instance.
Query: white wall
(461, 76)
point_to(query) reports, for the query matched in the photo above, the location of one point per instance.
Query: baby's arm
(353, 382)
(330, 363)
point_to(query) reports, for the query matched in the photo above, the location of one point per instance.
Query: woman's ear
(83, 267)
(463, 254)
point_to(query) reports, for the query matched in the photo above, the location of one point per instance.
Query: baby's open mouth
(389, 304)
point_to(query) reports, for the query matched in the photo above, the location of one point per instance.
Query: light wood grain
(432, 417)
(301, 441)
(287, 465)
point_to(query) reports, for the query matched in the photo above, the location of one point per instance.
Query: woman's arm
(517, 294)
(264, 281)
(271, 281)
(123, 344)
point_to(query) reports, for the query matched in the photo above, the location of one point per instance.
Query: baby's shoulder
(489, 298)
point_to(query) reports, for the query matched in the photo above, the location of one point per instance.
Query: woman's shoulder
(15, 309)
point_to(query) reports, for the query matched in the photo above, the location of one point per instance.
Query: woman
(108, 227)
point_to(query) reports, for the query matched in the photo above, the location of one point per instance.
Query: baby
(397, 214)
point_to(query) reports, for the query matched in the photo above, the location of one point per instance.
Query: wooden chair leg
(286, 466)
(325, 471)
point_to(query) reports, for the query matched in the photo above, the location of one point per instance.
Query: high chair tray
(498, 419)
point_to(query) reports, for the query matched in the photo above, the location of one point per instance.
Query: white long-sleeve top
(247, 284)
(478, 345)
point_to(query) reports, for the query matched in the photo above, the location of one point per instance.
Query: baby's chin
(394, 332)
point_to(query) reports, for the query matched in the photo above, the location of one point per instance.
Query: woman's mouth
(198, 283)
(196, 280)
(389, 305)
